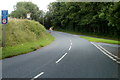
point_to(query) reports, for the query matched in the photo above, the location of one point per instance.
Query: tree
(22, 8)
(86, 17)
(114, 18)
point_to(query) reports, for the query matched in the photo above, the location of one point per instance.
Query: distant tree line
(86, 17)
(21, 9)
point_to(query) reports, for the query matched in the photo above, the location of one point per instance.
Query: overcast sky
(8, 4)
(42, 4)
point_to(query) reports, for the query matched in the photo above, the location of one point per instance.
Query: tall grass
(0, 34)
(23, 36)
(10, 51)
(0, 41)
(21, 31)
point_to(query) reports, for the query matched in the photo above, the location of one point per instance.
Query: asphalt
(112, 48)
(82, 60)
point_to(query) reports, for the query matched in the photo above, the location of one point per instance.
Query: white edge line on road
(104, 52)
(118, 62)
(38, 75)
(61, 58)
(108, 51)
(71, 43)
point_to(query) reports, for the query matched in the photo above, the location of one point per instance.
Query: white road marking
(108, 52)
(118, 62)
(71, 42)
(70, 48)
(61, 58)
(104, 52)
(65, 53)
(70, 45)
(38, 75)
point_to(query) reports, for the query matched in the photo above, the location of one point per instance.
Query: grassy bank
(0, 34)
(0, 41)
(100, 40)
(26, 47)
(24, 36)
(20, 31)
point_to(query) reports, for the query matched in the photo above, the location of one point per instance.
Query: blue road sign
(4, 17)
(4, 12)
(0, 18)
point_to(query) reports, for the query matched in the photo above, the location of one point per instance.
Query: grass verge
(107, 39)
(26, 47)
(100, 40)
(91, 35)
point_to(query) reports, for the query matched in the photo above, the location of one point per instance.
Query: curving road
(69, 56)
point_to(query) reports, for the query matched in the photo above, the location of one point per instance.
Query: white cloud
(8, 4)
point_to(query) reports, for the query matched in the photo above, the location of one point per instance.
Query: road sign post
(3, 35)
(4, 21)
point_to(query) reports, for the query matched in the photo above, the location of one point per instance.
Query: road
(69, 56)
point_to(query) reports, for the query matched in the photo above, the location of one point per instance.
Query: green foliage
(20, 31)
(100, 18)
(114, 17)
(22, 8)
(24, 36)
(0, 41)
(100, 40)
(0, 34)
(26, 47)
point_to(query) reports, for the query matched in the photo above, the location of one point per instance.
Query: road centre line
(70, 45)
(70, 48)
(71, 42)
(38, 75)
(56, 62)
(105, 53)
(61, 58)
(65, 53)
